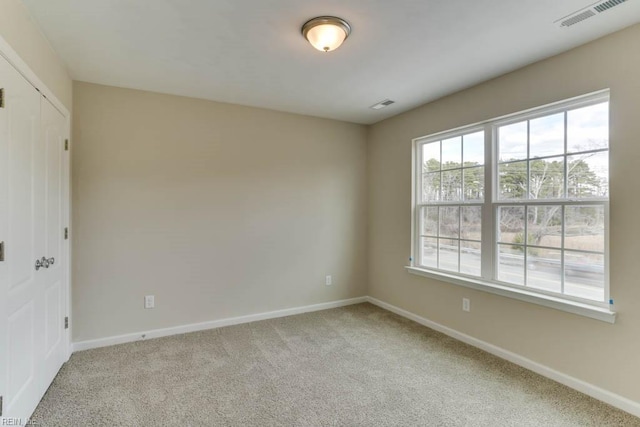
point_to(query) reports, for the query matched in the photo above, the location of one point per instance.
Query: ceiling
(251, 52)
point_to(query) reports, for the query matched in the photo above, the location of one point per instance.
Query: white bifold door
(33, 255)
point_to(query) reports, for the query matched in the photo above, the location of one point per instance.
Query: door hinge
(1, 251)
(66, 322)
(66, 233)
(0, 406)
(66, 145)
(1, 97)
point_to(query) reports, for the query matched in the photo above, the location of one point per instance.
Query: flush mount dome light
(326, 33)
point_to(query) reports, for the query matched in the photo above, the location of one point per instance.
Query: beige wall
(602, 354)
(23, 34)
(216, 209)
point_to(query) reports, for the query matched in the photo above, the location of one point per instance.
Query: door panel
(21, 353)
(53, 133)
(24, 157)
(53, 314)
(22, 229)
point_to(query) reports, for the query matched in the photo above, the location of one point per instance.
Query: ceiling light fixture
(326, 33)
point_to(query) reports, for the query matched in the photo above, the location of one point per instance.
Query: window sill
(598, 313)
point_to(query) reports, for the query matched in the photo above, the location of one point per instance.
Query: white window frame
(490, 206)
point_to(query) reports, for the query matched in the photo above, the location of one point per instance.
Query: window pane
(431, 157)
(511, 264)
(470, 258)
(448, 250)
(473, 149)
(429, 253)
(431, 186)
(452, 153)
(544, 226)
(471, 222)
(588, 175)
(512, 142)
(588, 128)
(474, 183)
(450, 221)
(512, 180)
(451, 185)
(584, 228)
(584, 275)
(546, 178)
(511, 224)
(430, 221)
(546, 136)
(544, 269)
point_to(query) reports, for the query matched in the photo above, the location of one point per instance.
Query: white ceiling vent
(382, 104)
(606, 5)
(577, 18)
(587, 12)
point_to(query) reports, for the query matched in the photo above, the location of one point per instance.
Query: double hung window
(521, 201)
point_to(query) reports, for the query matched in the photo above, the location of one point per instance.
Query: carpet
(352, 366)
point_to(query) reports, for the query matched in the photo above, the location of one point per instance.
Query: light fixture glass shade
(326, 33)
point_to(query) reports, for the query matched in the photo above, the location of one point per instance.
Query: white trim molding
(596, 392)
(594, 312)
(213, 324)
(18, 63)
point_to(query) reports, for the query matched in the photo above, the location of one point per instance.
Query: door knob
(42, 263)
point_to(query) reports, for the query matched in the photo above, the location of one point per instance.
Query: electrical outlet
(328, 281)
(149, 301)
(466, 304)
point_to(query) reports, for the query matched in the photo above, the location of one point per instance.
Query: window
(520, 202)
(453, 177)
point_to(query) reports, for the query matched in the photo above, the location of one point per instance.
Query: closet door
(53, 133)
(22, 225)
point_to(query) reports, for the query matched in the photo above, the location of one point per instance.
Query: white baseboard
(157, 333)
(596, 392)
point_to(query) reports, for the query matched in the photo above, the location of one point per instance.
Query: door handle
(51, 261)
(42, 263)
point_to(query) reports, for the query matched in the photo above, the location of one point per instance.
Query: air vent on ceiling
(577, 18)
(605, 5)
(588, 12)
(382, 104)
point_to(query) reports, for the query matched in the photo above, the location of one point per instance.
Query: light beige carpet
(353, 366)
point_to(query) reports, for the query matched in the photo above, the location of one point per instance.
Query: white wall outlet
(328, 281)
(149, 301)
(466, 304)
